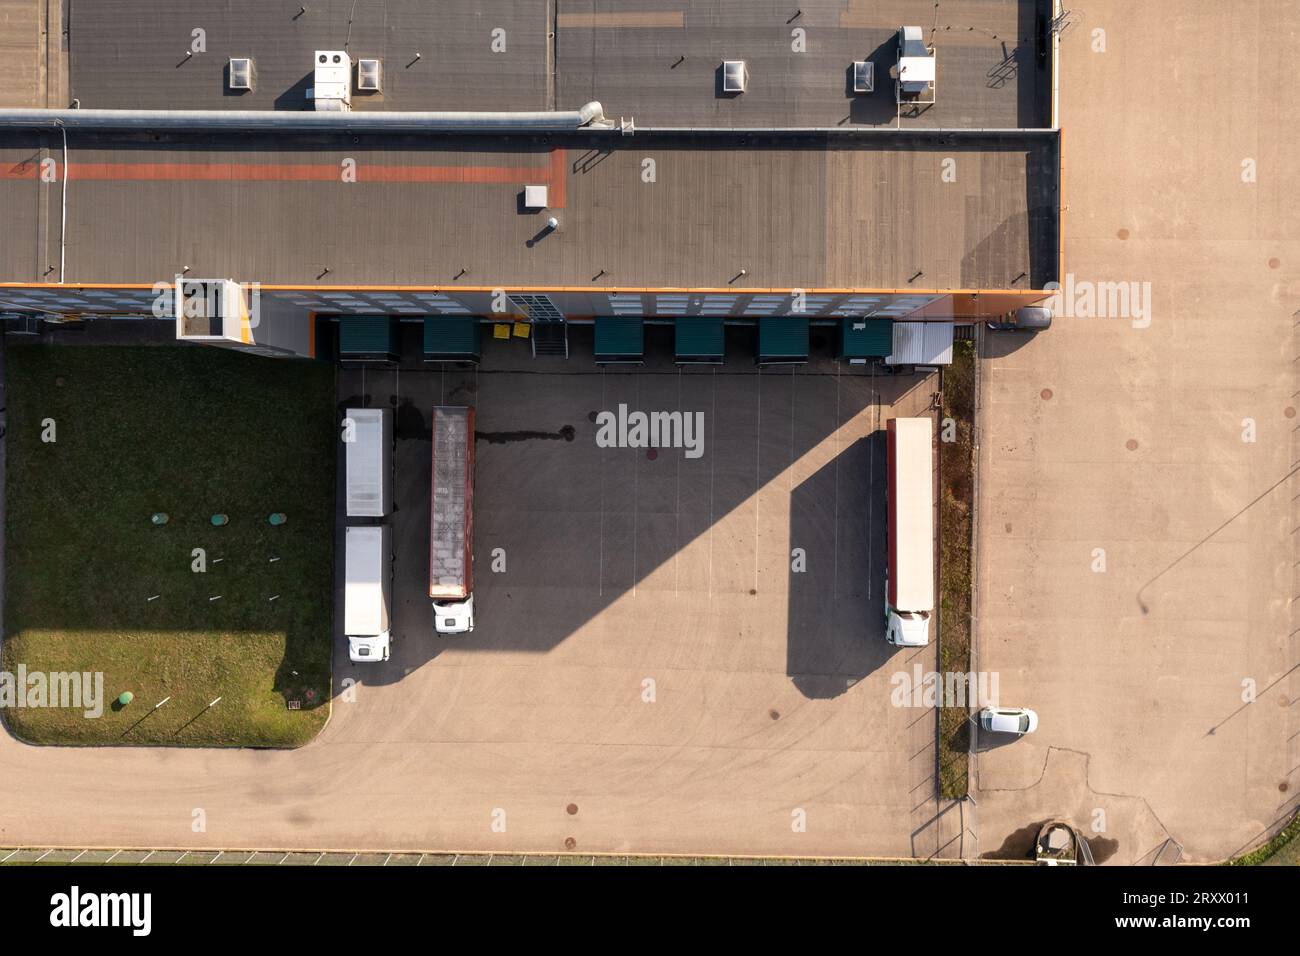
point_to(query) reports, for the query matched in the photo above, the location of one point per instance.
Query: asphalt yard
(644, 648)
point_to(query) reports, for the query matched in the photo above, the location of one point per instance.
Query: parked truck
(367, 592)
(368, 438)
(909, 572)
(451, 520)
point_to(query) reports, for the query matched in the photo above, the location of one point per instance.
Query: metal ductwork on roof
(294, 121)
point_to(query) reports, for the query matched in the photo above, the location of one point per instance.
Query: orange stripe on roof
(559, 172)
(552, 173)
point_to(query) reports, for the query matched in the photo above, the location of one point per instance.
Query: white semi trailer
(367, 592)
(451, 520)
(368, 440)
(909, 571)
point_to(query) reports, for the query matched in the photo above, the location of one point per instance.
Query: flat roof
(132, 54)
(641, 211)
(661, 64)
(22, 55)
(657, 63)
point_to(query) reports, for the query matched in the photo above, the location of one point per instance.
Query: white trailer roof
(912, 486)
(364, 612)
(921, 343)
(366, 463)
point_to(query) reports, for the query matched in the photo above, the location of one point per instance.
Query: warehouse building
(311, 181)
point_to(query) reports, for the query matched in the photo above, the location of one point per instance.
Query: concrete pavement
(1162, 445)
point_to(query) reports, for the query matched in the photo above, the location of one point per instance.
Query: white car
(1008, 720)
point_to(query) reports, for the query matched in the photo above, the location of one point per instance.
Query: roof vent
(535, 197)
(864, 76)
(241, 73)
(369, 76)
(734, 76)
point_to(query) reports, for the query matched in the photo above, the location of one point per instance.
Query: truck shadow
(835, 627)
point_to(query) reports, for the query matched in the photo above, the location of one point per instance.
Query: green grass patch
(1282, 850)
(189, 431)
(956, 506)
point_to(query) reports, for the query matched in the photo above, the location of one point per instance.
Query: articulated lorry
(368, 438)
(451, 520)
(909, 581)
(367, 592)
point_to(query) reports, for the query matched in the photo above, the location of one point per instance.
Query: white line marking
(835, 523)
(636, 462)
(792, 430)
(758, 464)
(677, 510)
(601, 586)
(713, 423)
(874, 398)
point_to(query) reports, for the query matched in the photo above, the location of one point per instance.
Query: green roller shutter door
(619, 339)
(782, 339)
(874, 340)
(451, 338)
(699, 339)
(367, 337)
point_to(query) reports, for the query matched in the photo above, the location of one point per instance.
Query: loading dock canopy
(368, 338)
(619, 339)
(921, 343)
(451, 338)
(782, 340)
(699, 339)
(866, 338)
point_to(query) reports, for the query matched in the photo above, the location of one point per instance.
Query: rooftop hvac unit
(734, 76)
(241, 73)
(864, 76)
(369, 76)
(915, 67)
(332, 81)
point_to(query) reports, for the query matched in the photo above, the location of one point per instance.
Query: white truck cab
(368, 648)
(454, 617)
(907, 628)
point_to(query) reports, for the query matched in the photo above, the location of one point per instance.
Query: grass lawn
(1282, 850)
(956, 506)
(189, 431)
